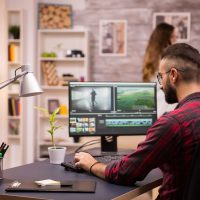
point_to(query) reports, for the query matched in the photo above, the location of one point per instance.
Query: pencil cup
(1, 168)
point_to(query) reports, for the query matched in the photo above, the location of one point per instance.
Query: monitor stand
(108, 145)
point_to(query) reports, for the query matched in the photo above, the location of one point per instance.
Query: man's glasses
(160, 75)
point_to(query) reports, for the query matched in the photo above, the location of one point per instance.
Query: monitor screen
(111, 108)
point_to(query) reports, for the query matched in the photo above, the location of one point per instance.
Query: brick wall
(139, 16)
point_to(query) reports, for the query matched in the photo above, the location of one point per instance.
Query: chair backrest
(192, 189)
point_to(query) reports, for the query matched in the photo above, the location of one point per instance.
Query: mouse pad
(66, 186)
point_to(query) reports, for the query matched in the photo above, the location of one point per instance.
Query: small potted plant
(56, 154)
(14, 32)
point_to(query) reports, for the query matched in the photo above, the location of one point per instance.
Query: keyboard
(108, 158)
(70, 166)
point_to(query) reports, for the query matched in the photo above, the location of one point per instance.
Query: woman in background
(162, 36)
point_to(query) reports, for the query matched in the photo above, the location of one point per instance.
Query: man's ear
(174, 75)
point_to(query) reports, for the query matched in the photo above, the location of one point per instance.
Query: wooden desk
(45, 170)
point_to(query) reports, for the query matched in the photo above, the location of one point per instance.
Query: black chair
(192, 189)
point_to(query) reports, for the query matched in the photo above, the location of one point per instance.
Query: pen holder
(1, 168)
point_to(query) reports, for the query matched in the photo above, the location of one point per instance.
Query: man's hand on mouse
(84, 160)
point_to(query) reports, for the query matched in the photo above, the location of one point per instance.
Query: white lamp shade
(29, 86)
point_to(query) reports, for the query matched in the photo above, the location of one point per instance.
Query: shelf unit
(14, 104)
(59, 41)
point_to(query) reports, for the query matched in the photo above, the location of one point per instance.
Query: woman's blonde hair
(159, 40)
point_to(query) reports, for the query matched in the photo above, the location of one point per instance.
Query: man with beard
(171, 141)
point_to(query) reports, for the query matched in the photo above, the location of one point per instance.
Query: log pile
(52, 16)
(50, 73)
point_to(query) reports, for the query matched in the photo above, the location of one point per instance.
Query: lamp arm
(8, 82)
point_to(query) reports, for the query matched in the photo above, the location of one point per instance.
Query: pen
(4, 150)
(1, 147)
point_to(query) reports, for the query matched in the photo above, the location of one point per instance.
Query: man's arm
(159, 145)
(88, 163)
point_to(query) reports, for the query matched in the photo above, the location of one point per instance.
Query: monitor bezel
(90, 84)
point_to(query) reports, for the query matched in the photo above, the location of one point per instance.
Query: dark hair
(158, 41)
(187, 58)
(183, 51)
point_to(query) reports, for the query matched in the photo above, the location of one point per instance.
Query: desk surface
(45, 170)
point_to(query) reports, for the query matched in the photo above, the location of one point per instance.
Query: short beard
(170, 93)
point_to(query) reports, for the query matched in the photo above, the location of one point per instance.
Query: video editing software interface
(111, 108)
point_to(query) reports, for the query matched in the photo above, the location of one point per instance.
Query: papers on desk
(47, 182)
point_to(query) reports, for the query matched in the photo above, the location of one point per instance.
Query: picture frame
(113, 38)
(180, 20)
(52, 105)
(54, 16)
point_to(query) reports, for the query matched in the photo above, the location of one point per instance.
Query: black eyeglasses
(160, 75)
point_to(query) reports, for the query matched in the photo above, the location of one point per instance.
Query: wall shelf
(15, 59)
(69, 59)
(57, 117)
(57, 42)
(13, 137)
(46, 87)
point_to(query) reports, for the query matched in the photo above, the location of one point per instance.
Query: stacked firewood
(54, 16)
(50, 73)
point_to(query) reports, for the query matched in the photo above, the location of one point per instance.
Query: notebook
(82, 186)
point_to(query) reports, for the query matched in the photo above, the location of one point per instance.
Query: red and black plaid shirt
(169, 145)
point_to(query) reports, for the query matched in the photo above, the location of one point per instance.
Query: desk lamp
(28, 85)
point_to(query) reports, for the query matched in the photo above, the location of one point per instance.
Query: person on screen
(162, 36)
(171, 141)
(93, 98)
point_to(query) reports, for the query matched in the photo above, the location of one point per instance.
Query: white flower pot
(56, 155)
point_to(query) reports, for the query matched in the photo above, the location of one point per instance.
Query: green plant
(52, 122)
(15, 31)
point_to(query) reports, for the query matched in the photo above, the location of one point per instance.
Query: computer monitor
(111, 109)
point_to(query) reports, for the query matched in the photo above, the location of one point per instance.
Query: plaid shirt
(169, 145)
